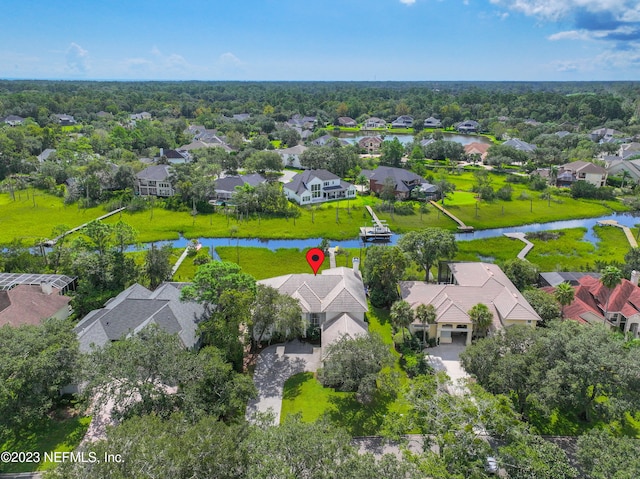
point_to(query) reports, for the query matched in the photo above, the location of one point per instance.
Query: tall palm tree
(401, 315)
(610, 278)
(426, 314)
(481, 317)
(564, 294)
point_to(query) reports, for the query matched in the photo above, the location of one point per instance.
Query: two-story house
(581, 171)
(375, 122)
(154, 181)
(404, 180)
(317, 186)
(403, 121)
(468, 126)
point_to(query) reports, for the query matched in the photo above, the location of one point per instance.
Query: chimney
(46, 287)
(635, 277)
(356, 264)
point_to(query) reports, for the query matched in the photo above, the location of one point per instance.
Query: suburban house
(144, 115)
(605, 135)
(593, 300)
(520, 145)
(581, 170)
(432, 122)
(347, 121)
(173, 156)
(468, 126)
(137, 307)
(12, 120)
(554, 278)
(374, 122)
(301, 121)
(403, 121)
(426, 142)
(291, 156)
(334, 301)
(404, 180)
(370, 143)
(64, 120)
(226, 187)
(617, 166)
(44, 156)
(562, 133)
(477, 148)
(241, 116)
(154, 181)
(465, 285)
(317, 186)
(30, 298)
(628, 150)
(327, 139)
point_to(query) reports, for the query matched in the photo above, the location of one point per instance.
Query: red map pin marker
(315, 257)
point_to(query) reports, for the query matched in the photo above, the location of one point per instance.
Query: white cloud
(625, 10)
(608, 60)
(408, 2)
(229, 59)
(570, 35)
(77, 59)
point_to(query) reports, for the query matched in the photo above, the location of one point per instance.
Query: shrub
(415, 364)
(137, 204)
(505, 193)
(201, 258)
(524, 196)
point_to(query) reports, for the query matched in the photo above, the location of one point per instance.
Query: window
(315, 191)
(314, 319)
(326, 183)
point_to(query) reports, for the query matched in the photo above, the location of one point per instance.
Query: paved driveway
(287, 176)
(446, 357)
(275, 365)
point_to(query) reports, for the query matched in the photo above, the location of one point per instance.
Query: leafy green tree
(427, 246)
(481, 317)
(605, 456)
(276, 313)
(262, 161)
(564, 294)
(610, 278)
(157, 265)
(391, 152)
(401, 315)
(426, 314)
(545, 304)
(354, 364)
(35, 363)
(532, 457)
(631, 261)
(521, 272)
(383, 267)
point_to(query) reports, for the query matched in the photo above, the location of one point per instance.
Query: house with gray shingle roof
(468, 126)
(403, 121)
(154, 181)
(465, 285)
(405, 181)
(13, 120)
(335, 301)
(520, 145)
(226, 187)
(317, 186)
(432, 122)
(581, 171)
(136, 308)
(375, 122)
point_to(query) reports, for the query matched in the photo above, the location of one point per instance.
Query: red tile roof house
(590, 302)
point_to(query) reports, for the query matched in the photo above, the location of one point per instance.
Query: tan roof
(27, 304)
(343, 325)
(337, 290)
(475, 283)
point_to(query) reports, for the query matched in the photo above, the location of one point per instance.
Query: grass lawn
(187, 269)
(304, 395)
(20, 219)
(263, 263)
(50, 436)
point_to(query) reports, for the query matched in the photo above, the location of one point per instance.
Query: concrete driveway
(275, 365)
(287, 175)
(446, 357)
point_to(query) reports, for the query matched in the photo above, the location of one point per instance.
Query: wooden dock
(52, 242)
(461, 226)
(380, 231)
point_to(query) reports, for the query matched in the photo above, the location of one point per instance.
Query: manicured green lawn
(304, 395)
(50, 436)
(263, 263)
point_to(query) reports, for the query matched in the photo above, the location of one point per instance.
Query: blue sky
(321, 40)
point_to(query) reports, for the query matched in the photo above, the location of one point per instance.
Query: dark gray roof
(229, 183)
(137, 307)
(299, 181)
(399, 175)
(155, 172)
(520, 145)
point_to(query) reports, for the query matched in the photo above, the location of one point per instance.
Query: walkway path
(332, 258)
(275, 365)
(528, 245)
(180, 260)
(627, 231)
(53, 241)
(461, 225)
